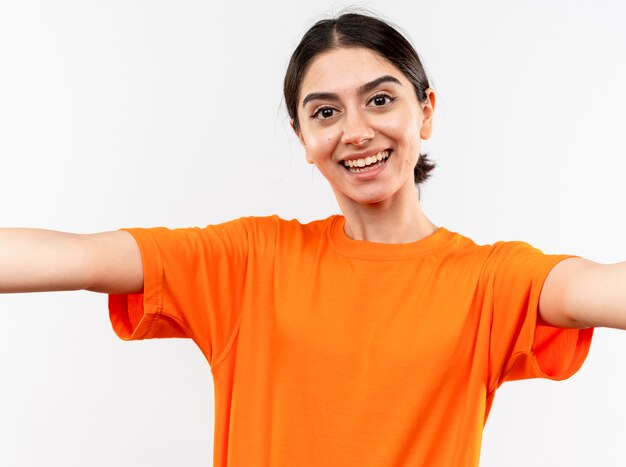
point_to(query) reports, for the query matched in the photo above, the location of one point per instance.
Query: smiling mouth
(367, 163)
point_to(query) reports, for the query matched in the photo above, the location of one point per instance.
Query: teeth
(367, 160)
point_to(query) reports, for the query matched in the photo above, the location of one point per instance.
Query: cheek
(314, 149)
(404, 132)
(401, 127)
(319, 145)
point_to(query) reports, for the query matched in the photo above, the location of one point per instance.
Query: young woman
(374, 338)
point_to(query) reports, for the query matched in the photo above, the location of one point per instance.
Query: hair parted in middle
(357, 30)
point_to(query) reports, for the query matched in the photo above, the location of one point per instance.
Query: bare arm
(35, 260)
(579, 293)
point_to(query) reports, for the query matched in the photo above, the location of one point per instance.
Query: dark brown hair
(357, 30)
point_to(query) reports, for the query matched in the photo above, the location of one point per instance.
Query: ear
(297, 132)
(301, 138)
(428, 110)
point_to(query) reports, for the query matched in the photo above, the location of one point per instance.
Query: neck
(390, 221)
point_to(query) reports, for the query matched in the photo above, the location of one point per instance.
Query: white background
(147, 113)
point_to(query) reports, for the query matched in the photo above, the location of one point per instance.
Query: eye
(382, 99)
(324, 113)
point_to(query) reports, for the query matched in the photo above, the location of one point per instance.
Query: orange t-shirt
(327, 351)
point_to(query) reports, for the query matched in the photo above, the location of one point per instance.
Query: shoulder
(275, 228)
(496, 251)
(276, 223)
(508, 257)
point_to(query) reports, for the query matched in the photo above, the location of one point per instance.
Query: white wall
(145, 113)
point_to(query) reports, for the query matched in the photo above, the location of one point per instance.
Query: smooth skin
(354, 123)
(344, 121)
(357, 104)
(34, 260)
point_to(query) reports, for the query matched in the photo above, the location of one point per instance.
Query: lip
(363, 155)
(370, 174)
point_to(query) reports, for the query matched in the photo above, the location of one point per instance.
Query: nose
(356, 129)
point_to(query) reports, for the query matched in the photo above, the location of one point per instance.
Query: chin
(372, 199)
(371, 196)
(386, 194)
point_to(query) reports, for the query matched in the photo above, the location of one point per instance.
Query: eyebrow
(331, 96)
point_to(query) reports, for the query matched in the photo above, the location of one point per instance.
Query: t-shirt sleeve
(521, 345)
(193, 285)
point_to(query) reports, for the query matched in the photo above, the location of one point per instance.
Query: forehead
(346, 69)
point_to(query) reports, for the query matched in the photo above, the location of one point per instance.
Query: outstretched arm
(35, 260)
(579, 293)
